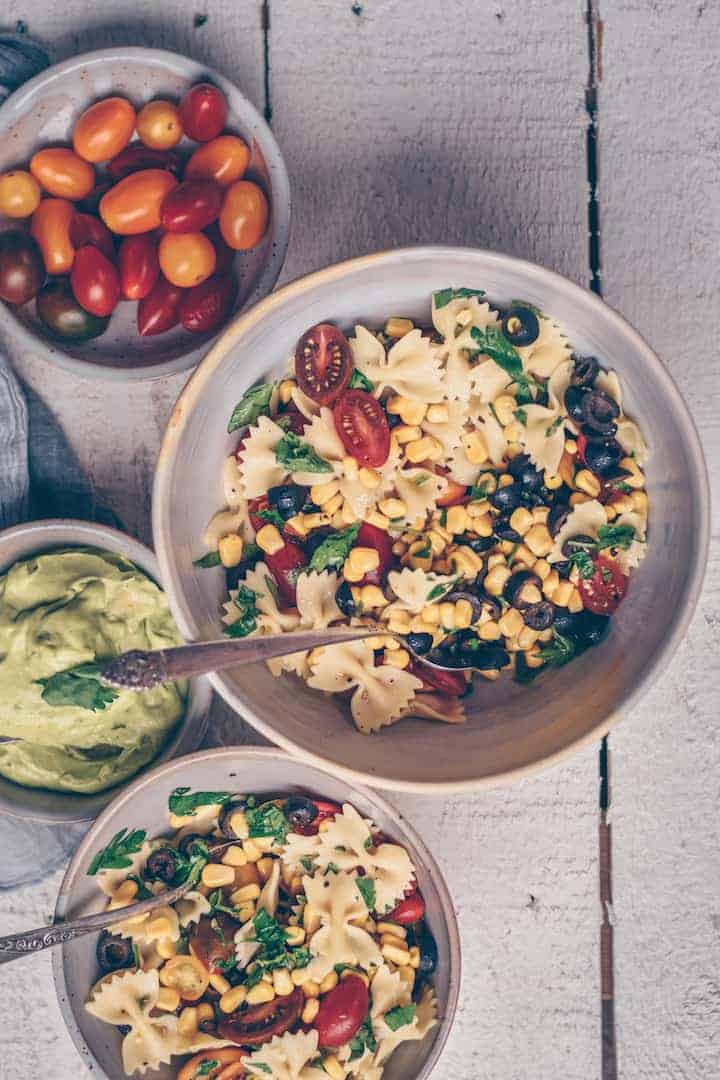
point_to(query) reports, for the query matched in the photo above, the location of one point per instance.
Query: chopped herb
(443, 518)
(255, 402)
(79, 686)
(521, 416)
(400, 1016)
(116, 855)
(424, 551)
(246, 603)
(273, 517)
(185, 802)
(606, 574)
(418, 481)
(191, 867)
(254, 976)
(307, 863)
(442, 297)
(363, 1040)
(299, 456)
(493, 343)
(205, 1067)
(622, 486)
(479, 491)
(335, 548)
(618, 536)
(272, 588)
(262, 1065)
(551, 428)
(301, 957)
(584, 563)
(366, 885)
(216, 900)
(143, 892)
(251, 554)
(268, 820)
(211, 559)
(332, 868)
(358, 381)
(439, 590)
(524, 393)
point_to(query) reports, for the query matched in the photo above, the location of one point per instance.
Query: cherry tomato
(138, 158)
(603, 592)
(283, 566)
(224, 255)
(261, 1023)
(342, 1012)
(158, 311)
(51, 228)
(104, 129)
(186, 259)
(19, 194)
(95, 281)
(254, 505)
(372, 537)
(293, 420)
(244, 215)
(191, 206)
(66, 319)
(451, 683)
(362, 425)
(453, 495)
(224, 1064)
(139, 266)
(133, 205)
(206, 307)
(326, 809)
(223, 160)
(581, 441)
(211, 946)
(86, 229)
(408, 911)
(62, 173)
(159, 125)
(323, 363)
(203, 112)
(91, 203)
(22, 271)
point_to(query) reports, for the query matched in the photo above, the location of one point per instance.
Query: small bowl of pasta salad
(316, 938)
(462, 470)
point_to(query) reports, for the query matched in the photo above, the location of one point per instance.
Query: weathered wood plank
(660, 218)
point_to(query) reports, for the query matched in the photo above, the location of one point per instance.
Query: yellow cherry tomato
(19, 194)
(104, 129)
(223, 160)
(158, 125)
(133, 205)
(50, 227)
(186, 259)
(244, 215)
(62, 173)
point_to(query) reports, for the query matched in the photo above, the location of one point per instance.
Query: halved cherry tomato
(104, 129)
(342, 1012)
(203, 112)
(139, 266)
(323, 363)
(211, 942)
(224, 255)
(254, 505)
(158, 311)
(86, 229)
(138, 158)
(453, 495)
(581, 441)
(223, 1064)
(223, 160)
(186, 259)
(372, 537)
(159, 125)
(283, 566)
(62, 173)
(244, 215)
(206, 307)
(19, 194)
(95, 281)
(133, 205)
(51, 228)
(260, 1023)
(408, 911)
(326, 809)
(603, 592)
(191, 206)
(362, 425)
(451, 683)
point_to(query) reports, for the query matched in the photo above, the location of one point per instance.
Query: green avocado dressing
(70, 607)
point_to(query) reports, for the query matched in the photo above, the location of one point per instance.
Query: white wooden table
(465, 121)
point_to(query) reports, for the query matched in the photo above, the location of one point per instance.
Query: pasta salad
(300, 950)
(473, 488)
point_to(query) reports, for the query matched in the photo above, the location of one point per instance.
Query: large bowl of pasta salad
(317, 936)
(468, 453)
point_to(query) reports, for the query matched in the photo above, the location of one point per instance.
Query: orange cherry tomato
(223, 160)
(19, 194)
(62, 173)
(158, 125)
(244, 215)
(133, 205)
(104, 129)
(186, 259)
(50, 227)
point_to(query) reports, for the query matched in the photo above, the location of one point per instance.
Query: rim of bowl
(281, 213)
(246, 756)
(265, 309)
(97, 535)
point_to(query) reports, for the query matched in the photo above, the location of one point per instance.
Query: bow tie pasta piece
(415, 589)
(336, 899)
(260, 581)
(547, 352)
(191, 908)
(316, 599)
(390, 995)
(630, 557)
(258, 466)
(299, 850)
(448, 432)
(411, 367)
(583, 520)
(487, 380)
(142, 930)
(419, 490)
(304, 404)
(382, 692)
(455, 321)
(286, 1057)
(246, 944)
(322, 436)
(628, 434)
(493, 435)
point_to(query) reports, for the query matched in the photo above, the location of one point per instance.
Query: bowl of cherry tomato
(143, 201)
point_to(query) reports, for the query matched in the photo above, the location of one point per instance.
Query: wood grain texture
(660, 218)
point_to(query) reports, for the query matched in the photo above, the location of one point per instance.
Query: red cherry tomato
(224, 254)
(191, 206)
(372, 537)
(362, 425)
(254, 505)
(86, 229)
(283, 566)
(213, 949)
(342, 1012)
(323, 363)
(453, 495)
(408, 911)
(450, 683)
(205, 307)
(139, 266)
(137, 158)
(581, 441)
(158, 311)
(95, 281)
(603, 592)
(203, 112)
(293, 420)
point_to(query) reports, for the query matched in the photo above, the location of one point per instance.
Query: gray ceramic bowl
(21, 542)
(43, 111)
(511, 729)
(144, 805)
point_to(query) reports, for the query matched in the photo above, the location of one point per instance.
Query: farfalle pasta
(472, 489)
(299, 951)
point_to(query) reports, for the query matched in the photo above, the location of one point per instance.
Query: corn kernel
(475, 447)
(252, 851)
(490, 631)
(230, 550)
(285, 391)
(393, 404)
(587, 482)
(463, 614)
(431, 614)
(239, 826)
(527, 638)
(393, 508)
(539, 540)
(639, 501)
(205, 1011)
(407, 974)
(371, 596)
(245, 893)
(397, 327)
(437, 414)
(333, 1068)
(392, 939)
(311, 989)
(399, 622)
(412, 412)
(550, 584)
(400, 957)
(438, 543)
(636, 477)
(234, 856)
(165, 948)
(407, 433)
(188, 1021)
(282, 983)
(570, 446)
(127, 891)
(562, 594)
(496, 580)
(478, 508)
(168, 999)
(159, 927)
(447, 615)
(269, 540)
(425, 449)
(415, 957)
(575, 603)
(578, 497)
(514, 433)
(530, 594)
(496, 559)
(216, 876)
(312, 1006)
(541, 567)
(329, 982)
(465, 562)
(259, 994)
(511, 623)
(233, 999)
(369, 478)
(552, 481)
(521, 520)
(420, 555)
(398, 658)
(504, 408)
(457, 520)
(323, 493)
(315, 521)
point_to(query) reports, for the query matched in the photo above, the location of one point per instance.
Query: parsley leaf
(584, 563)
(521, 416)
(618, 536)
(272, 516)
(268, 820)
(363, 1040)
(493, 343)
(439, 590)
(399, 1016)
(79, 686)
(116, 856)
(366, 885)
(307, 863)
(246, 602)
(551, 428)
(424, 551)
(255, 402)
(358, 381)
(442, 297)
(299, 456)
(211, 559)
(185, 802)
(334, 550)
(560, 651)
(206, 1067)
(479, 491)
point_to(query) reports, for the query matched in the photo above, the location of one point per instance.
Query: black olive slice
(503, 530)
(524, 473)
(559, 513)
(515, 585)
(344, 599)
(300, 811)
(419, 643)
(521, 326)
(574, 397)
(581, 542)
(506, 499)
(539, 616)
(602, 456)
(162, 864)
(288, 499)
(472, 599)
(113, 952)
(585, 370)
(600, 412)
(185, 845)
(232, 806)
(428, 951)
(478, 544)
